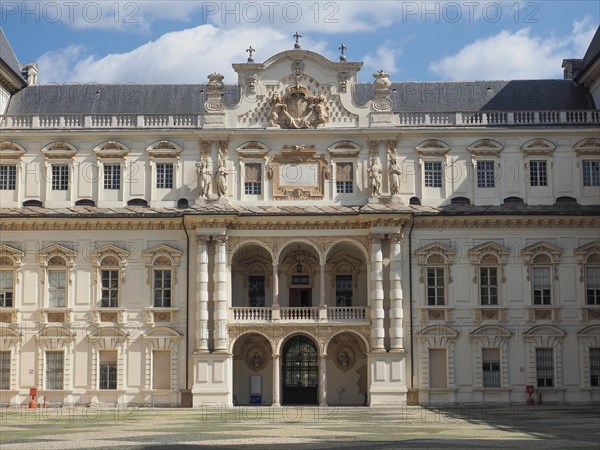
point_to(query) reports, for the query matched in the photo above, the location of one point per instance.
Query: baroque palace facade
(300, 238)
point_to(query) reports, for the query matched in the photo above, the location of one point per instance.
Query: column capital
(219, 238)
(397, 238)
(376, 238)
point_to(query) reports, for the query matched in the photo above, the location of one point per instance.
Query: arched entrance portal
(300, 372)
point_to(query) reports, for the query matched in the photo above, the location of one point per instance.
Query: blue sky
(184, 41)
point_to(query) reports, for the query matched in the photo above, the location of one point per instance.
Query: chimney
(30, 73)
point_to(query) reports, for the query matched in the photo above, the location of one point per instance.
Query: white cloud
(186, 56)
(384, 57)
(518, 55)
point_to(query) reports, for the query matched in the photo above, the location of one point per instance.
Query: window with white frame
(544, 367)
(112, 176)
(162, 288)
(60, 177)
(436, 281)
(164, 175)
(8, 177)
(55, 367)
(253, 179)
(538, 173)
(5, 369)
(542, 280)
(592, 279)
(491, 367)
(594, 366)
(486, 174)
(344, 178)
(107, 367)
(109, 282)
(433, 173)
(7, 283)
(343, 290)
(591, 173)
(57, 282)
(488, 285)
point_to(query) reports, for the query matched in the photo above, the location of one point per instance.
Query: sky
(184, 41)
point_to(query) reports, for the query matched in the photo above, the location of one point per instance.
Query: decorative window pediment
(436, 254)
(538, 147)
(46, 254)
(587, 147)
(16, 255)
(433, 147)
(491, 331)
(9, 337)
(344, 149)
(442, 333)
(107, 337)
(162, 249)
(164, 337)
(489, 254)
(11, 151)
(541, 253)
(111, 149)
(110, 255)
(587, 254)
(55, 336)
(544, 331)
(164, 149)
(252, 149)
(59, 150)
(485, 147)
(590, 331)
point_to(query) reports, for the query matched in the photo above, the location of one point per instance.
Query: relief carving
(298, 109)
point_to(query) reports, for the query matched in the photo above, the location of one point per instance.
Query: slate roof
(82, 212)
(8, 56)
(591, 55)
(453, 96)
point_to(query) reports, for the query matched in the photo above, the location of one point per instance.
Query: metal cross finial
(343, 48)
(297, 36)
(250, 50)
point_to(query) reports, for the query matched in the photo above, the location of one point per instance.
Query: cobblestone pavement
(214, 427)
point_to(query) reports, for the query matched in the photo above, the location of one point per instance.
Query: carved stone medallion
(298, 109)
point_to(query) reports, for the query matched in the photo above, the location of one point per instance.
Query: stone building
(299, 237)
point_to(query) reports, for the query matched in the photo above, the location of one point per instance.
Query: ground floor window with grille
(544, 367)
(595, 367)
(161, 369)
(108, 370)
(491, 368)
(4, 370)
(438, 368)
(55, 367)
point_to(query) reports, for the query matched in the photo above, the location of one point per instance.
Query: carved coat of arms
(298, 109)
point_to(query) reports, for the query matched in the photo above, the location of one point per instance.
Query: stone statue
(322, 116)
(221, 179)
(375, 177)
(275, 104)
(394, 174)
(203, 179)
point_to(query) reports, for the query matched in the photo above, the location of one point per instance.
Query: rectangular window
(435, 286)
(8, 177)
(488, 285)
(491, 367)
(542, 286)
(252, 179)
(594, 367)
(486, 177)
(110, 289)
(55, 362)
(343, 178)
(112, 176)
(256, 290)
(343, 290)
(4, 370)
(57, 288)
(591, 173)
(433, 174)
(162, 288)
(544, 367)
(592, 285)
(6, 288)
(161, 369)
(108, 369)
(60, 177)
(538, 175)
(164, 176)
(438, 368)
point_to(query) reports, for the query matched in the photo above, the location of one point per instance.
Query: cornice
(494, 222)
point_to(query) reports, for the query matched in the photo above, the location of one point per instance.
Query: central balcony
(323, 314)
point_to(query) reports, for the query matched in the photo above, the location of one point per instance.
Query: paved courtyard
(461, 426)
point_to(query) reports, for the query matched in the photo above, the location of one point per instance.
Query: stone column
(276, 382)
(220, 322)
(275, 285)
(322, 299)
(322, 380)
(396, 312)
(377, 313)
(202, 295)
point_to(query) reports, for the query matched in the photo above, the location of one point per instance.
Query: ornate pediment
(297, 108)
(588, 147)
(433, 147)
(59, 150)
(345, 149)
(111, 149)
(252, 149)
(538, 147)
(164, 149)
(485, 147)
(11, 150)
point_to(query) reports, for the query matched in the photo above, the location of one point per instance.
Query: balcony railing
(410, 119)
(298, 314)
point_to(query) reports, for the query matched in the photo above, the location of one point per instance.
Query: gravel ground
(467, 426)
